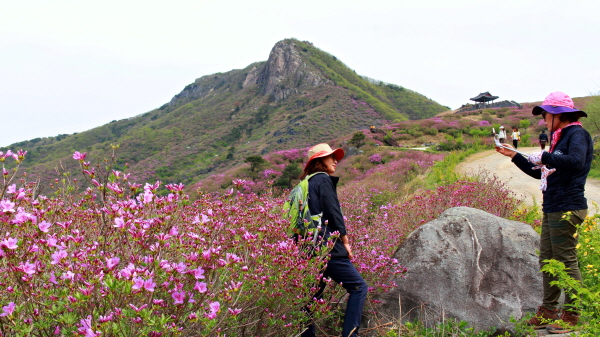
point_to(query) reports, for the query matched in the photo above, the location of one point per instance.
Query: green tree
(290, 172)
(230, 153)
(358, 139)
(255, 162)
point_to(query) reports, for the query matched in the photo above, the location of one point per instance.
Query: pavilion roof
(484, 97)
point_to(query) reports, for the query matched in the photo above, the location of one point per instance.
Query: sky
(69, 65)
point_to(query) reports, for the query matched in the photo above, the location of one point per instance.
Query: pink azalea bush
(123, 258)
(120, 259)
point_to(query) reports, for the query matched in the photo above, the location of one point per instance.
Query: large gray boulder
(469, 265)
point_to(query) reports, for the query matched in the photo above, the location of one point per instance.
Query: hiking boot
(570, 320)
(542, 318)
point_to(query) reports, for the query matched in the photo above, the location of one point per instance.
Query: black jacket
(322, 197)
(572, 158)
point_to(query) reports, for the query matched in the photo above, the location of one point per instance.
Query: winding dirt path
(523, 185)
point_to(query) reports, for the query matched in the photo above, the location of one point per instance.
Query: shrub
(431, 131)
(524, 123)
(376, 158)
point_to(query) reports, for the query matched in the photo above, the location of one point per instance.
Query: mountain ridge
(298, 97)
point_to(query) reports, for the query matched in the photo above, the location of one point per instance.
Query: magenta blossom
(178, 296)
(79, 156)
(201, 287)
(6, 206)
(112, 262)
(10, 243)
(8, 310)
(44, 226)
(214, 309)
(27, 268)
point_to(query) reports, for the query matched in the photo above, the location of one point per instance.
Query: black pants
(515, 143)
(342, 271)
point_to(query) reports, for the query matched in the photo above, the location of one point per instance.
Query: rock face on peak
(285, 73)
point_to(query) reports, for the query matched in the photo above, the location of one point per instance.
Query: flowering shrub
(121, 260)
(376, 158)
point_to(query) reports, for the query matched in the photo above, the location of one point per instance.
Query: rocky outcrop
(470, 265)
(285, 73)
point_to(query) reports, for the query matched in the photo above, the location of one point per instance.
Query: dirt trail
(521, 184)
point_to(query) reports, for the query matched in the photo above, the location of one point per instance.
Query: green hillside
(220, 119)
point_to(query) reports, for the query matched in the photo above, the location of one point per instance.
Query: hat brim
(337, 153)
(555, 110)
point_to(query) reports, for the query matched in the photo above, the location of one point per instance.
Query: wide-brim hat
(557, 103)
(323, 150)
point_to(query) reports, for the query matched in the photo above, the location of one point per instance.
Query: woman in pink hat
(322, 198)
(563, 172)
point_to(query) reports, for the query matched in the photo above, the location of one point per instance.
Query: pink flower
(234, 312)
(201, 287)
(119, 223)
(8, 310)
(57, 256)
(149, 285)
(181, 267)
(27, 268)
(79, 156)
(10, 243)
(52, 278)
(12, 189)
(138, 283)
(6, 206)
(44, 226)
(51, 242)
(86, 327)
(178, 296)
(20, 194)
(148, 197)
(198, 273)
(136, 308)
(112, 262)
(214, 309)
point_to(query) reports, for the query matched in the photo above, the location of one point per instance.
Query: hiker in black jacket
(563, 171)
(322, 198)
(543, 139)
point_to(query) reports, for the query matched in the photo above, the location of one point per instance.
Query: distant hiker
(543, 139)
(322, 197)
(563, 172)
(516, 137)
(502, 135)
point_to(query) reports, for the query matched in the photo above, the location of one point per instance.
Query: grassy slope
(394, 102)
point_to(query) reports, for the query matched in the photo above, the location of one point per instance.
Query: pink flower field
(120, 259)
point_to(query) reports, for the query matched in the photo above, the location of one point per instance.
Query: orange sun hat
(323, 150)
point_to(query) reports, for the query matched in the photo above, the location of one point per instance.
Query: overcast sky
(70, 65)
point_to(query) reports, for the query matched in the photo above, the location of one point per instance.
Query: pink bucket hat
(557, 103)
(323, 150)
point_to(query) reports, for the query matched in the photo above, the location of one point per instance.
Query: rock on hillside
(470, 265)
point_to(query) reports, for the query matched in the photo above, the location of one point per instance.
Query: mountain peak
(287, 72)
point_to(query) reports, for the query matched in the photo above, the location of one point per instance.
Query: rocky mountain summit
(286, 73)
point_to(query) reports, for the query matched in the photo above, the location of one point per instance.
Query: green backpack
(302, 222)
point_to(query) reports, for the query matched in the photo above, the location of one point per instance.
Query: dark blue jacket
(322, 197)
(572, 159)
